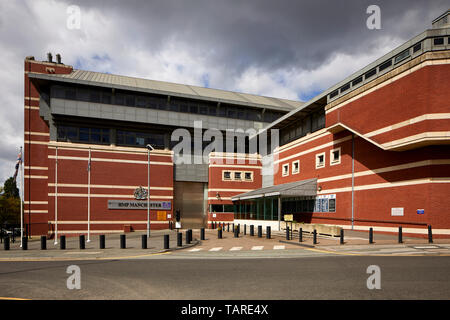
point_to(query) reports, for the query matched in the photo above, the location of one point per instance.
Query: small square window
(438, 41)
(335, 156)
(249, 176)
(226, 175)
(237, 176)
(296, 167)
(285, 169)
(320, 160)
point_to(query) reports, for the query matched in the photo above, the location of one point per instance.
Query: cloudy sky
(285, 49)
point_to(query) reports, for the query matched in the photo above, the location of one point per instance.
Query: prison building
(380, 158)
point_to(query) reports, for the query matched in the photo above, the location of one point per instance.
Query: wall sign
(325, 203)
(138, 205)
(420, 211)
(396, 211)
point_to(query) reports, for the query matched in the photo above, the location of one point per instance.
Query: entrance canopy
(292, 189)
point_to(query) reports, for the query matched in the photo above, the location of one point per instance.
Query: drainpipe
(89, 197)
(56, 195)
(353, 179)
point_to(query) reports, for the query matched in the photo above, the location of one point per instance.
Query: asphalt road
(308, 277)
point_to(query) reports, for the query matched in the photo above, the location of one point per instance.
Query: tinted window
(370, 73)
(357, 81)
(417, 47)
(345, 87)
(438, 41)
(385, 65)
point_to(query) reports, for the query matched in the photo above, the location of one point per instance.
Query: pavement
(356, 243)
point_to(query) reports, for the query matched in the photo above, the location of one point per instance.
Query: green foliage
(9, 203)
(10, 188)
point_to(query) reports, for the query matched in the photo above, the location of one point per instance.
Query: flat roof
(107, 80)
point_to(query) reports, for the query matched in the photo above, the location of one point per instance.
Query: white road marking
(236, 249)
(257, 247)
(216, 249)
(196, 249)
(425, 247)
(279, 247)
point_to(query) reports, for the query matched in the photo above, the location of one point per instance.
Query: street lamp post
(149, 148)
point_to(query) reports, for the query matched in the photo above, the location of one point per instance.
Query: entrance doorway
(189, 198)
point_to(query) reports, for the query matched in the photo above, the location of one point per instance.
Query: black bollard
(144, 241)
(245, 229)
(190, 235)
(187, 237)
(300, 234)
(232, 227)
(342, 236)
(219, 234)
(370, 235)
(43, 243)
(202, 234)
(179, 239)
(102, 241)
(236, 232)
(430, 235)
(315, 236)
(268, 232)
(166, 241)
(287, 233)
(259, 231)
(228, 227)
(82, 243)
(123, 240)
(62, 242)
(6, 243)
(24, 243)
(252, 230)
(400, 235)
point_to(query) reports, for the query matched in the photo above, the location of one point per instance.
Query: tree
(10, 188)
(9, 203)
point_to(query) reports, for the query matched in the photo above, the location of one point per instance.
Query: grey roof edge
(64, 78)
(425, 34)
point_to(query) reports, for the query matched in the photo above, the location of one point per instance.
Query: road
(284, 275)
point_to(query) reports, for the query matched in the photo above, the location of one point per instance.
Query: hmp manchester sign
(136, 204)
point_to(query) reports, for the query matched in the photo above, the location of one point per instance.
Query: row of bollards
(221, 228)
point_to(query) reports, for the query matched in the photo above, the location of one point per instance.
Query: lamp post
(149, 148)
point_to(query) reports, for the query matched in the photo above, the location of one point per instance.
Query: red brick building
(380, 157)
(371, 151)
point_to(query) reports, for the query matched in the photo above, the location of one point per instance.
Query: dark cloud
(270, 34)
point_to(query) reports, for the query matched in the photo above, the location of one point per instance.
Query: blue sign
(420, 211)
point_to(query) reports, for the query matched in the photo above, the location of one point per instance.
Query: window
(385, 65)
(357, 81)
(417, 47)
(335, 156)
(438, 41)
(84, 134)
(370, 73)
(94, 95)
(320, 160)
(285, 169)
(237, 175)
(345, 87)
(226, 175)
(401, 56)
(296, 167)
(334, 94)
(249, 176)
